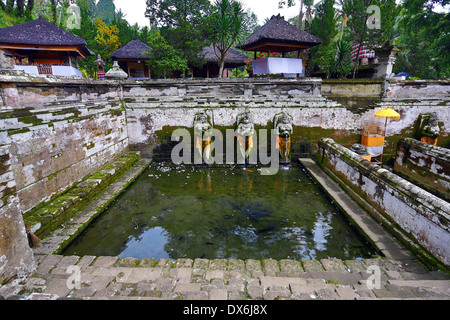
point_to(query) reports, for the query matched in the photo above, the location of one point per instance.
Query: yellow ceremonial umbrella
(387, 113)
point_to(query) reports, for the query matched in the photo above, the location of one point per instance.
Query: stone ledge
(49, 217)
(416, 217)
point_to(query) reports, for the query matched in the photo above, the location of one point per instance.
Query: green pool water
(192, 212)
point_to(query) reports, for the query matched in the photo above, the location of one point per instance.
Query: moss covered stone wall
(425, 165)
(420, 216)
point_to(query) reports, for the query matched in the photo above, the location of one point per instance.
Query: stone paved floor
(111, 278)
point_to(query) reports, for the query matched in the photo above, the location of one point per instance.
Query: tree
(324, 23)
(324, 26)
(105, 10)
(10, 5)
(163, 57)
(424, 38)
(107, 39)
(342, 62)
(20, 7)
(227, 28)
(30, 6)
(291, 3)
(184, 24)
(359, 14)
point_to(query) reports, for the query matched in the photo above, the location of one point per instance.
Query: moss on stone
(59, 210)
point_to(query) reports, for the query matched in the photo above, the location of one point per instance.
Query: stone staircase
(232, 101)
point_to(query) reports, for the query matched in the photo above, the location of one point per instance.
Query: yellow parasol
(387, 113)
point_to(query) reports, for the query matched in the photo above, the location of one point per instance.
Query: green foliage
(163, 57)
(105, 10)
(324, 23)
(324, 59)
(227, 27)
(359, 16)
(342, 62)
(424, 39)
(184, 24)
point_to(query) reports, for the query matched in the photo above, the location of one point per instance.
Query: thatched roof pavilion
(233, 59)
(278, 35)
(39, 43)
(132, 50)
(131, 59)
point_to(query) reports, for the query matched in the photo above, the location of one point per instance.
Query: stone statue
(202, 134)
(284, 130)
(5, 62)
(430, 130)
(244, 133)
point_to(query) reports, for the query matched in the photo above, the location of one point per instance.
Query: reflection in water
(321, 231)
(191, 212)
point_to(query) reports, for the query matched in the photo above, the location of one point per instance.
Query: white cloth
(66, 71)
(375, 151)
(27, 69)
(277, 66)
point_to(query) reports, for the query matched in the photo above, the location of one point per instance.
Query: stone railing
(414, 215)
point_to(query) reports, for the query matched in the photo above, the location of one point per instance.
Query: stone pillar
(16, 256)
(387, 62)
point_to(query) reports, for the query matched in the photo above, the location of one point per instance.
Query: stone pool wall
(55, 131)
(16, 256)
(425, 165)
(52, 134)
(415, 215)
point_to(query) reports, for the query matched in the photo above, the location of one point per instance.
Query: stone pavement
(112, 278)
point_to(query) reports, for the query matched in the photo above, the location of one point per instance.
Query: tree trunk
(308, 16)
(30, 5)
(10, 5)
(357, 59)
(53, 8)
(300, 15)
(20, 7)
(222, 63)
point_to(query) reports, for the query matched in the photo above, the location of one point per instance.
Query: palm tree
(227, 28)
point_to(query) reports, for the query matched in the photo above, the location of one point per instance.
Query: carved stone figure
(430, 130)
(244, 132)
(202, 135)
(5, 62)
(284, 129)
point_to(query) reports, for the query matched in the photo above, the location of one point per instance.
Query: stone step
(442, 284)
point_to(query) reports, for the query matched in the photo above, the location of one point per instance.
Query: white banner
(277, 66)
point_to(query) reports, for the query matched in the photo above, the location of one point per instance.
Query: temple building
(132, 59)
(279, 36)
(234, 59)
(40, 47)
